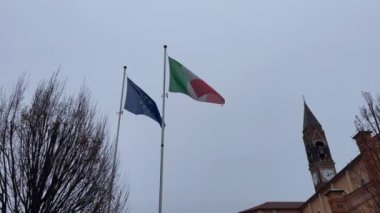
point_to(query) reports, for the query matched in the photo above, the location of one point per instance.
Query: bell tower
(321, 164)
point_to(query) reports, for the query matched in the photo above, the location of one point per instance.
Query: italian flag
(184, 81)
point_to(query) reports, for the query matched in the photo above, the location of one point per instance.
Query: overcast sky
(261, 55)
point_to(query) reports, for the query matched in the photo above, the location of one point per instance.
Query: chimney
(363, 139)
(370, 149)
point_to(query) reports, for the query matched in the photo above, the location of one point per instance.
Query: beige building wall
(357, 173)
(312, 206)
(344, 183)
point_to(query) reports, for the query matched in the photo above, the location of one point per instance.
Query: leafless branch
(55, 154)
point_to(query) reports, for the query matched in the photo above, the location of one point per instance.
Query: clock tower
(321, 164)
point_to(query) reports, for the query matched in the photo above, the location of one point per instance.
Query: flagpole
(117, 140)
(162, 134)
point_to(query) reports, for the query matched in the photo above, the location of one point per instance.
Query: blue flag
(138, 102)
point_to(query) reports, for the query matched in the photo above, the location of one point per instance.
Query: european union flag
(138, 102)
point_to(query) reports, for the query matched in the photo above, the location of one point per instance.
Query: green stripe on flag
(178, 79)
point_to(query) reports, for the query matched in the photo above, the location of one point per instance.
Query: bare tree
(54, 153)
(369, 120)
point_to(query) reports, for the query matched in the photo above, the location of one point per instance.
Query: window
(363, 181)
(340, 206)
(319, 144)
(321, 149)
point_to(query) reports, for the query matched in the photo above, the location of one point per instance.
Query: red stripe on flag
(201, 88)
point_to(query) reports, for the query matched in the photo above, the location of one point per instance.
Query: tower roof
(309, 118)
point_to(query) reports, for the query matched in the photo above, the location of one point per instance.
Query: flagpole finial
(125, 67)
(165, 46)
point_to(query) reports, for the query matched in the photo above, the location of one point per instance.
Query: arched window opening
(321, 149)
(319, 144)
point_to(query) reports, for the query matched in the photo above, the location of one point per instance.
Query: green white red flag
(182, 80)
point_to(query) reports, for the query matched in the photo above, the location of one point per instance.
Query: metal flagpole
(162, 134)
(117, 140)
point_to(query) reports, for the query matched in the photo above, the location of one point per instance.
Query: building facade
(354, 189)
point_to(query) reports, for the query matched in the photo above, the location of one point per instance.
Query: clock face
(327, 174)
(315, 178)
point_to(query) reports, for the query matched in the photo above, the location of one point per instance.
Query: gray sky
(262, 56)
